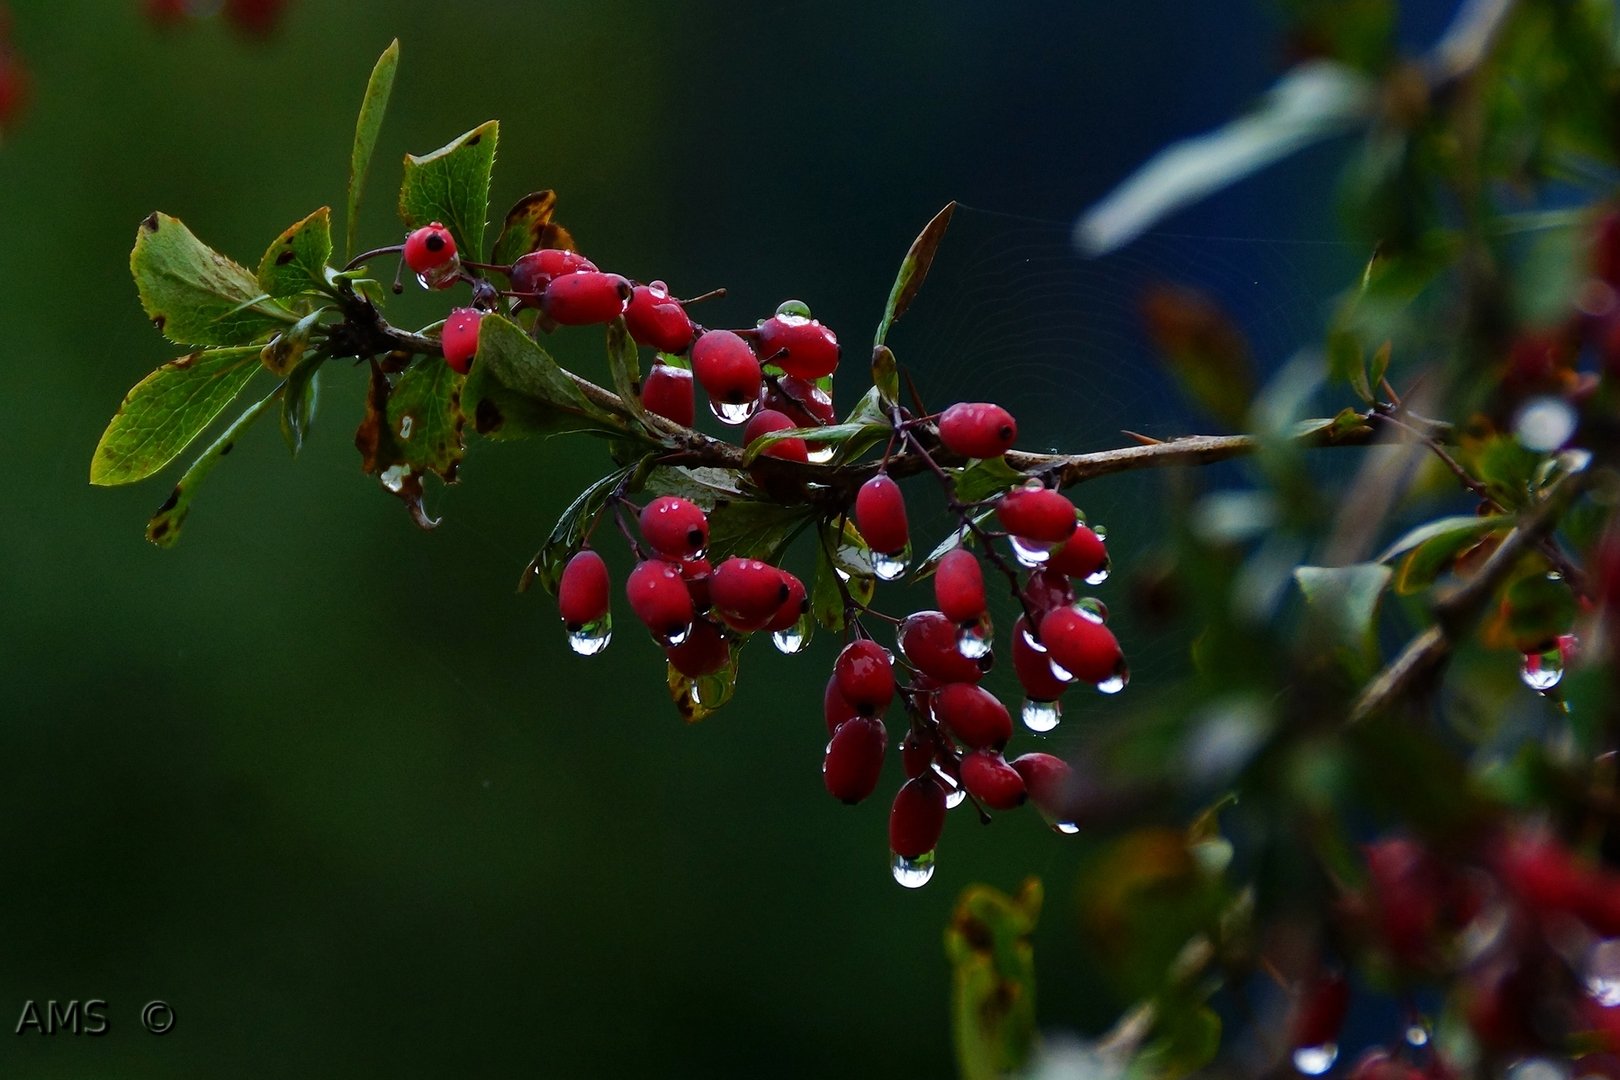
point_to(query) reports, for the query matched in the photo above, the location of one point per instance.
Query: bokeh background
(325, 783)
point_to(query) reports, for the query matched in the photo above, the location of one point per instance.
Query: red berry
(865, 676)
(667, 391)
(1032, 664)
(977, 429)
(674, 527)
(766, 421)
(959, 586)
(584, 298)
(747, 593)
(799, 346)
(917, 818)
(835, 708)
(797, 603)
(880, 515)
(1319, 1012)
(726, 368)
(929, 641)
(1085, 649)
(659, 598)
(657, 321)
(459, 338)
(533, 272)
(803, 402)
(974, 715)
(704, 652)
(854, 760)
(254, 16)
(13, 88)
(916, 754)
(1406, 896)
(1048, 780)
(1038, 514)
(430, 248)
(582, 591)
(1046, 591)
(696, 573)
(1543, 873)
(988, 778)
(1082, 555)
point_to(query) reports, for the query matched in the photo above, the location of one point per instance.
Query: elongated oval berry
(835, 708)
(1032, 664)
(1037, 513)
(675, 527)
(799, 346)
(975, 716)
(1319, 1011)
(668, 392)
(988, 778)
(917, 818)
(767, 421)
(1082, 555)
(747, 593)
(977, 429)
(533, 272)
(801, 400)
(660, 598)
(657, 320)
(582, 591)
(726, 368)
(929, 641)
(865, 675)
(429, 248)
(459, 338)
(1085, 649)
(793, 607)
(704, 651)
(916, 753)
(1046, 590)
(585, 297)
(880, 515)
(1048, 780)
(854, 760)
(959, 586)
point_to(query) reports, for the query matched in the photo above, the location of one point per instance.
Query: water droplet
(954, 795)
(658, 289)
(1544, 424)
(820, 453)
(1316, 1060)
(1117, 681)
(974, 640)
(795, 637)
(592, 638)
(891, 566)
(1067, 828)
(1041, 716)
(1099, 575)
(1537, 1069)
(794, 310)
(1092, 608)
(406, 422)
(1059, 672)
(1100, 530)
(1603, 973)
(442, 276)
(728, 413)
(393, 477)
(913, 873)
(1543, 671)
(1030, 553)
(1417, 1034)
(676, 637)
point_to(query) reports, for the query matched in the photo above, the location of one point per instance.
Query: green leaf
(706, 486)
(451, 185)
(1342, 607)
(516, 389)
(753, 530)
(165, 411)
(296, 262)
(1313, 102)
(1186, 1038)
(366, 127)
(568, 535)
(195, 295)
(870, 412)
(299, 400)
(826, 602)
(1431, 547)
(885, 374)
(164, 528)
(425, 419)
(993, 979)
(913, 271)
(528, 227)
(286, 350)
(698, 699)
(838, 434)
(624, 366)
(985, 479)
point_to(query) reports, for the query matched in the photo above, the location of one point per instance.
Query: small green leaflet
(164, 527)
(993, 979)
(296, 262)
(913, 270)
(195, 295)
(517, 389)
(169, 408)
(451, 185)
(366, 128)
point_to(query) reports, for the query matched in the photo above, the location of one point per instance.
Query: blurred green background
(323, 782)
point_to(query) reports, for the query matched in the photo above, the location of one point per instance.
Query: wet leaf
(164, 527)
(299, 401)
(296, 262)
(1204, 349)
(366, 128)
(568, 535)
(826, 602)
(528, 227)
(837, 434)
(913, 271)
(1534, 611)
(401, 454)
(698, 699)
(169, 408)
(286, 350)
(1430, 548)
(516, 389)
(708, 487)
(1342, 609)
(451, 185)
(624, 365)
(993, 979)
(885, 374)
(985, 479)
(753, 530)
(195, 295)
(1313, 102)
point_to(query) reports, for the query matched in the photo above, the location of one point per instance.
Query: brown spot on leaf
(487, 417)
(474, 140)
(150, 223)
(286, 257)
(158, 321)
(975, 933)
(171, 502)
(227, 448)
(182, 362)
(158, 530)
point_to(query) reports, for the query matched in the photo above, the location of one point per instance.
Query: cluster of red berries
(257, 17)
(13, 75)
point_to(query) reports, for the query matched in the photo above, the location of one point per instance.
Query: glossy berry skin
(801, 347)
(916, 754)
(1047, 780)
(659, 598)
(583, 590)
(865, 676)
(668, 392)
(1081, 555)
(1039, 514)
(835, 708)
(766, 421)
(1046, 590)
(533, 272)
(585, 298)
(917, 818)
(1320, 1011)
(658, 321)
(429, 248)
(1033, 666)
(977, 429)
(696, 574)
(959, 586)
(854, 760)
(880, 515)
(802, 401)
(1377, 1064)
(747, 593)
(928, 640)
(1085, 649)
(726, 368)
(675, 527)
(796, 604)
(974, 715)
(988, 778)
(704, 652)
(459, 338)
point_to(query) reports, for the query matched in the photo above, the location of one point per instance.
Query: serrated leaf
(411, 429)
(1342, 607)
(985, 479)
(516, 389)
(753, 530)
(296, 262)
(366, 128)
(528, 227)
(993, 979)
(193, 294)
(624, 367)
(1313, 102)
(451, 185)
(837, 434)
(568, 535)
(165, 411)
(164, 527)
(913, 271)
(299, 401)
(706, 486)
